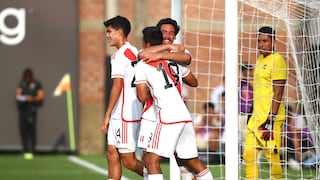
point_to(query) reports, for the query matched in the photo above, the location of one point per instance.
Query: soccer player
(173, 129)
(124, 110)
(264, 126)
(169, 28)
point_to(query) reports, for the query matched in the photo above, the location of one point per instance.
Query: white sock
(185, 174)
(204, 175)
(145, 173)
(155, 177)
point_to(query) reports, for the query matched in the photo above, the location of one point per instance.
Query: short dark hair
(268, 30)
(152, 35)
(27, 73)
(169, 21)
(119, 22)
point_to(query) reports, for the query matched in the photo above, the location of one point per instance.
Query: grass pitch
(60, 167)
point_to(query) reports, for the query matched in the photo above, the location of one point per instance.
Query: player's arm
(40, 95)
(190, 80)
(155, 53)
(23, 98)
(142, 92)
(114, 96)
(178, 57)
(164, 47)
(278, 89)
(19, 96)
(268, 126)
(18, 91)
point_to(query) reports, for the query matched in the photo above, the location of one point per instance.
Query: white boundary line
(90, 166)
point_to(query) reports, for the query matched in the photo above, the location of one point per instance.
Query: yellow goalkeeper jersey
(272, 67)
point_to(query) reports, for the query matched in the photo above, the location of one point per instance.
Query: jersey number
(133, 64)
(118, 133)
(169, 71)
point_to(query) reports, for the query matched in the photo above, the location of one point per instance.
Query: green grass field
(60, 167)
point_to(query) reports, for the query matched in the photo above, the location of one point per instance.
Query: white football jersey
(123, 62)
(164, 80)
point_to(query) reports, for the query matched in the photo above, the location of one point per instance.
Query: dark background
(50, 48)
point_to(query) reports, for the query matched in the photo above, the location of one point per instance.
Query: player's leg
(144, 139)
(187, 150)
(130, 162)
(272, 152)
(32, 131)
(23, 133)
(250, 155)
(127, 147)
(162, 144)
(112, 155)
(152, 161)
(200, 170)
(276, 168)
(114, 164)
(185, 173)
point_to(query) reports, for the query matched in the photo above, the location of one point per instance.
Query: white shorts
(146, 133)
(179, 137)
(123, 135)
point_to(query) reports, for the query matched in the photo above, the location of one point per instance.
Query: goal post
(302, 24)
(231, 89)
(176, 14)
(211, 40)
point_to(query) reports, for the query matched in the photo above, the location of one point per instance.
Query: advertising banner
(41, 35)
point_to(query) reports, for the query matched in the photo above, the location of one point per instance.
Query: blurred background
(67, 36)
(58, 37)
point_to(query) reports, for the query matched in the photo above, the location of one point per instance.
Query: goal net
(297, 26)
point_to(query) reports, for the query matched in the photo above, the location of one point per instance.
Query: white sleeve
(118, 65)
(140, 73)
(184, 70)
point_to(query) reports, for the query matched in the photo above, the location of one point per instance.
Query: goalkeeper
(264, 126)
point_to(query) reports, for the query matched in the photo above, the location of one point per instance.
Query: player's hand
(30, 98)
(104, 126)
(267, 128)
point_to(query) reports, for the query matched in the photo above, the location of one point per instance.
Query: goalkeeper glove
(267, 127)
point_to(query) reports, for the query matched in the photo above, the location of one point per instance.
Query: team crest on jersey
(32, 85)
(264, 67)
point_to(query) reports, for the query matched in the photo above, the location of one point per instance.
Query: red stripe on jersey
(124, 132)
(148, 104)
(156, 136)
(130, 55)
(155, 63)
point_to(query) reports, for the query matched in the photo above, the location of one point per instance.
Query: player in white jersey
(169, 28)
(149, 112)
(173, 130)
(123, 113)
